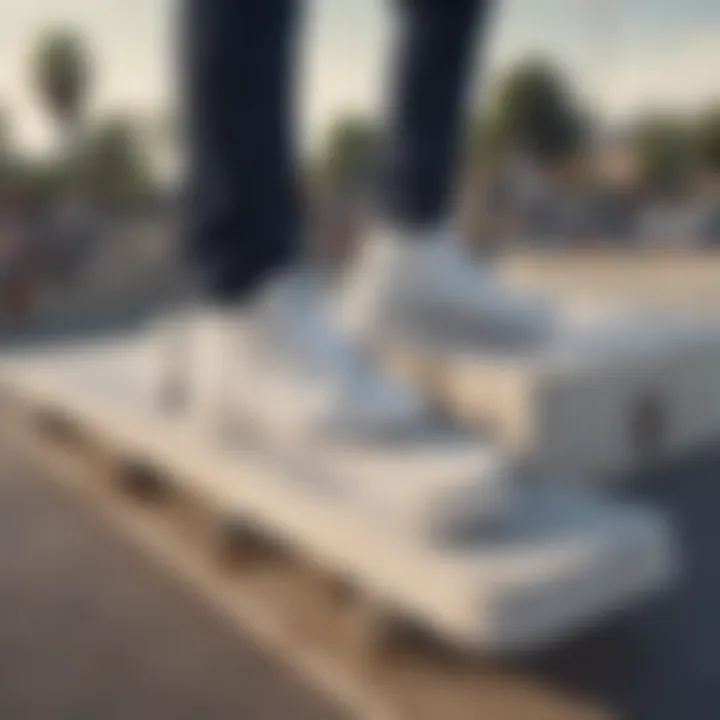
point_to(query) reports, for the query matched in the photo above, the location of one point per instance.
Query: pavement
(91, 629)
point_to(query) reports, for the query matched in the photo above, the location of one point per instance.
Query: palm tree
(62, 77)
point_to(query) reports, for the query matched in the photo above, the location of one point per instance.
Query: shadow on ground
(662, 662)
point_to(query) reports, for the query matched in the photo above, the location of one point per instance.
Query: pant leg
(429, 89)
(240, 209)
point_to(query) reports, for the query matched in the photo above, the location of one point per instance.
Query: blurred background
(595, 124)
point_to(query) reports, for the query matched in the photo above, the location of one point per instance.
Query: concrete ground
(93, 630)
(686, 281)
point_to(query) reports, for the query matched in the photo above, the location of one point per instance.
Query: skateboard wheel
(142, 480)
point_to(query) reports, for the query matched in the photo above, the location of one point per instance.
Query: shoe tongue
(296, 325)
(284, 290)
(433, 248)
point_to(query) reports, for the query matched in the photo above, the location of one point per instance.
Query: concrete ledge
(595, 411)
(534, 584)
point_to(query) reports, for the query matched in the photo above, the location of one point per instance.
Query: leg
(262, 353)
(429, 88)
(242, 220)
(413, 278)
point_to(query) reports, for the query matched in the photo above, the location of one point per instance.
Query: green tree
(535, 113)
(6, 151)
(482, 144)
(666, 153)
(161, 136)
(5, 134)
(62, 72)
(347, 158)
(117, 167)
(708, 140)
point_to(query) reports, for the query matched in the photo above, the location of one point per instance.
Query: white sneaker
(281, 366)
(431, 289)
(282, 375)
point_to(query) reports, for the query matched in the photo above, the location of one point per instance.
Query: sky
(624, 55)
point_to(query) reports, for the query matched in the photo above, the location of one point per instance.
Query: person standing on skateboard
(263, 321)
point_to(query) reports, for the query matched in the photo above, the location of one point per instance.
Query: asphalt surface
(92, 629)
(663, 662)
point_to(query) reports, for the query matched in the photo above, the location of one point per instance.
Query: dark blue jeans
(243, 218)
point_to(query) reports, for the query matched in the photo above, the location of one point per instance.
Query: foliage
(708, 139)
(62, 74)
(116, 168)
(536, 114)
(348, 156)
(665, 150)
(5, 133)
